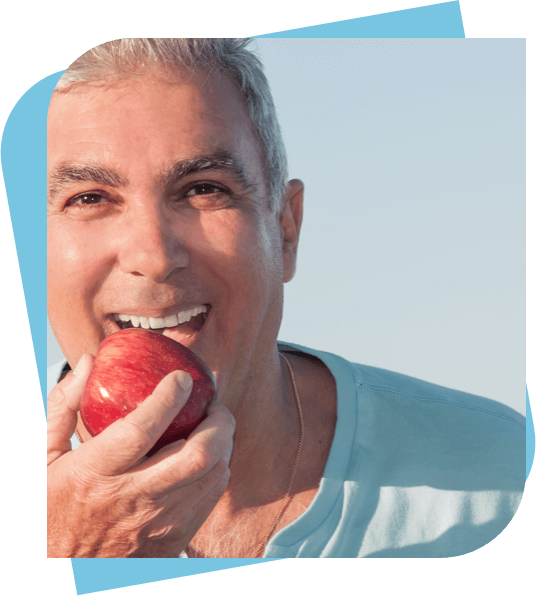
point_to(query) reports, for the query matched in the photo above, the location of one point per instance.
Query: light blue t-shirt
(414, 470)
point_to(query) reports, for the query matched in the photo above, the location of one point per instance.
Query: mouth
(186, 321)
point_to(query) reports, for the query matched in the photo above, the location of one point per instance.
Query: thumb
(122, 444)
(63, 403)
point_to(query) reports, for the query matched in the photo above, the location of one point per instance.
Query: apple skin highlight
(128, 367)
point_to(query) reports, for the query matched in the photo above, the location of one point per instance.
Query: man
(168, 193)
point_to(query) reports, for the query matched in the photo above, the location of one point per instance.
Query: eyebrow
(221, 159)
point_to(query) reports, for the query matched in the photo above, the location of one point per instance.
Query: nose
(151, 246)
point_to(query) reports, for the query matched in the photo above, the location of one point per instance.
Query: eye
(87, 199)
(204, 188)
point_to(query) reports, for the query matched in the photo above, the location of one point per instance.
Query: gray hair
(126, 58)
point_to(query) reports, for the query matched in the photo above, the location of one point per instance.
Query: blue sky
(412, 255)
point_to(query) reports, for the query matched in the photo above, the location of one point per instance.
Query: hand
(105, 499)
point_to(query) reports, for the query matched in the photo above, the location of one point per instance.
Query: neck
(266, 437)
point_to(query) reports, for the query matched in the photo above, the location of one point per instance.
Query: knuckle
(219, 470)
(128, 432)
(55, 398)
(91, 487)
(200, 460)
(224, 418)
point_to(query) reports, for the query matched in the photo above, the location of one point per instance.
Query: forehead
(146, 124)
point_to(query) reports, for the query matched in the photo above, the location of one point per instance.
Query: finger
(207, 444)
(126, 441)
(213, 438)
(185, 462)
(63, 403)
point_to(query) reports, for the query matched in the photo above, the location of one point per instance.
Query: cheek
(237, 233)
(76, 271)
(242, 247)
(76, 265)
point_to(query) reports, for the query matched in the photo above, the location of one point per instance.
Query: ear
(290, 220)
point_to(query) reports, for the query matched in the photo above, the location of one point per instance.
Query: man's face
(158, 208)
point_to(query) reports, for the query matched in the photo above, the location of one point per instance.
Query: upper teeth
(159, 323)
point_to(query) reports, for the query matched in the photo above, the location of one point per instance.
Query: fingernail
(184, 380)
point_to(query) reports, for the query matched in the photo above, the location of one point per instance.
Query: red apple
(128, 367)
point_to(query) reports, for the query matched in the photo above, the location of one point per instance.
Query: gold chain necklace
(300, 445)
(287, 498)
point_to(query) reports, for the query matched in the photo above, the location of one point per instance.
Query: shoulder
(413, 393)
(434, 436)
(416, 393)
